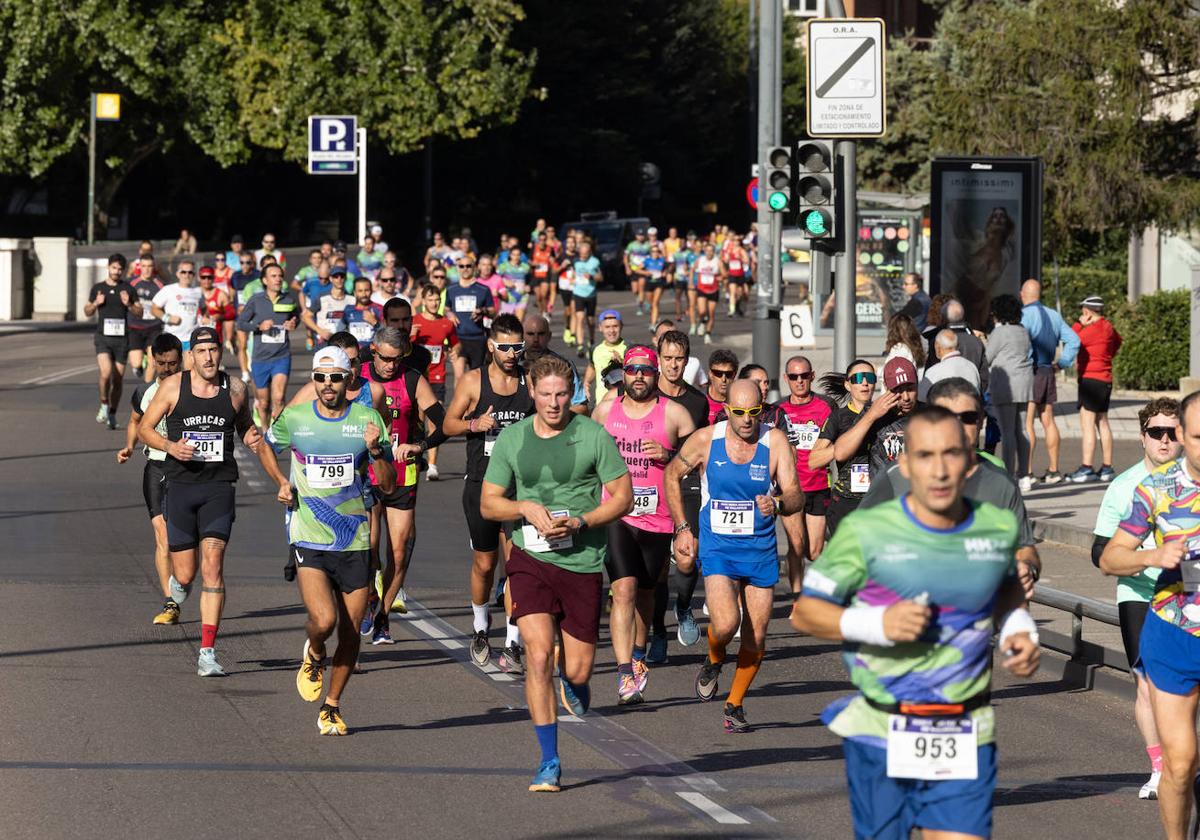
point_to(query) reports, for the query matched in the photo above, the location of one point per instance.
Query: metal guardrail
(1081, 651)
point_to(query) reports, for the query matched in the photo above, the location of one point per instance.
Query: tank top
(806, 423)
(400, 413)
(206, 423)
(731, 525)
(650, 512)
(507, 409)
(708, 271)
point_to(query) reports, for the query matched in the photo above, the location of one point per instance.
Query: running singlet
(650, 512)
(437, 335)
(328, 474)
(714, 408)
(146, 289)
(401, 415)
(541, 259)
(708, 272)
(207, 424)
(215, 309)
(806, 423)
(566, 274)
(731, 525)
(737, 268)
(882, 555)
(507, 409)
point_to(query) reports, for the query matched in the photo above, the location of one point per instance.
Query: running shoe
(1026, 483)
(112, 420)
(581, 352)
(500, 592)
(707, 338)
(641, 674)
(574, 698)
(245, 376)
(382, 634)
(207, 665)
(1107, 473)
(1083, 475)
(706, 680)
(688, 632)
(568, 337)
(657, 654)
(169, 613)
(102, 414)
(179, 592)
(431, 474)
(1150, 789)
(547, 777)
(257, 418)
(310, 676)
(329, 720)
(511, 661)
(400, 603)
(481, 650)
(628, 693)
(704, 608)
(735, 719)
(367, 625)
(1049, 477)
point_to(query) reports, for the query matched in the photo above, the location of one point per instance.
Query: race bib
(464, 305)
(114, 326)
(275, 335)
(564, 281)
(806, 436)
(489, 442)
(435, 353)
(536, 542)
(933, 749)
(735, 265)
(1189, 567)
(362, 331)
(656, 275)
(860, 478)
(330, 319)
(328, 472)
(207, 446)
(732, 519)
(645, 501)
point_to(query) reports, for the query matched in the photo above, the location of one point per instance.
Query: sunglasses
(860, 378)
(438, 276)
(218, 258)
(721, 374)
(1159, 432)
(181, 271)
(335, 378)
(516, 347)
(644, 370)
(800, 376)
(465, 265)
(387, 360)
(744, 412)
(968, 418)
(246, 262)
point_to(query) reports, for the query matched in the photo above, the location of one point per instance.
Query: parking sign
(332, 146)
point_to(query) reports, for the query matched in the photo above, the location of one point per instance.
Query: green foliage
(1156, 333)
(1077, 282)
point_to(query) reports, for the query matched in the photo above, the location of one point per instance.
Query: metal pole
(362, 184)
(91, 213)
(752, 80)
(765, 347)
(844, 321)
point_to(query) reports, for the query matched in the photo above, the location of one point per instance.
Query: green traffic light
(778, 201)
(814, 223)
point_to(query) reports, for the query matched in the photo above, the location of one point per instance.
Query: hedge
(1074, 284)
(1156, 332)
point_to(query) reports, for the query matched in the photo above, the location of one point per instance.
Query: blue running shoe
(575, 698)
(688, 631)
(366, 627)
(657, 653)
(547, 777)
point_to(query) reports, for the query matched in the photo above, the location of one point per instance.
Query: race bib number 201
(206, 446)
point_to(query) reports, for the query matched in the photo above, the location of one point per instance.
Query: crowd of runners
(626, 456)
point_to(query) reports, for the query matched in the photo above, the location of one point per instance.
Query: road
(111, 734)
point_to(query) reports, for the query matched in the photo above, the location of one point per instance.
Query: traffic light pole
(765, 347)
(845, 264)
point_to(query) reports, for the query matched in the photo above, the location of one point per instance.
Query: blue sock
(548, 740)
(639, 653)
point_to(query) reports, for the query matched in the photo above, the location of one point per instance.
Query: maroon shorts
(571, 597)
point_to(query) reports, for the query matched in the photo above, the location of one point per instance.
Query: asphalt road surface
(111, 734)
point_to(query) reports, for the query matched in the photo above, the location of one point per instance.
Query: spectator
(185, 244)
(1010, 382)
(1046, 331)
(951, 363)
(935, 319)
(904, 341)
(917, 307)
(1099, 343)
(233, 257)
(968, 343)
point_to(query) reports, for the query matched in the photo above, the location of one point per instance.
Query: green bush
(1156, 333)
(1075, 283)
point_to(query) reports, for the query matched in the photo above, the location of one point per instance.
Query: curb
(1060, 532)
(1077, 676)
(24, 328)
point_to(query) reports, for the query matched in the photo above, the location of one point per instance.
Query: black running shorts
(154, 486)
(633, 552)
(349, 571)
(196, 511)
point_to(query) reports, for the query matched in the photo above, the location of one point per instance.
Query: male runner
(537, 344)
(181, 307)
(111, 300)
(611, 349)
(203, 408)
(1159, 422)
(324, 314)
(558, 463)
(145, 328)
(270, 315)
(586, 275)
(468, 302)
(647, 428)
(364, 315)
(722, 368)
(807, 413)
(741, 463)
(914, 588)
(168, 361)
(634, 257)
(435, 332)
(331, 441)
(486, 401)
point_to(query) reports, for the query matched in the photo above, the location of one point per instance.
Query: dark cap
(339, 245)
(203, 335)
(898, 372)
(237, 237)
(337, 270)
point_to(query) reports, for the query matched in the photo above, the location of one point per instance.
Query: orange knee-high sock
(716, 650)
(749, 661)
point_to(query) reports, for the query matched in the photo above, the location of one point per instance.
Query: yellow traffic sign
(108, 106)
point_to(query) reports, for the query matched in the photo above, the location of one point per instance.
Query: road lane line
(48, 378)
(721, 815)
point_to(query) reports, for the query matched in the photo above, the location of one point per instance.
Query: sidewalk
(30, 326)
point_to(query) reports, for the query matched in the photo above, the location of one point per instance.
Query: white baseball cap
(376, 230)
(331, 357)
(652, 230)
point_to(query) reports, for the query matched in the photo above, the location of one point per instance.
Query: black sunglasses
(968, 418)
(721, 374)
(335, 378)
(795, 376)
(1159, 432)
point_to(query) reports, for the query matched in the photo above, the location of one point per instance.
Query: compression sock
(514, 634)
(748, 664)
(208, 635)
(662, 594)
(716, 650)
(479, 617)
(639, 653)
(1155, 753)
(547, 736)
(685, 587)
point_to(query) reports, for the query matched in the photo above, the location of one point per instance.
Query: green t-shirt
(602, 355)
(990, 458)
(564, 473)
(1114, 507)
(882, 555)
(329, 475)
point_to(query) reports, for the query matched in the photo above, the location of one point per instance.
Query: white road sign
(846, 77)
(331, 145)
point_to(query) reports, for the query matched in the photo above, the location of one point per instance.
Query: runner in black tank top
(479, 412)
(203, 408)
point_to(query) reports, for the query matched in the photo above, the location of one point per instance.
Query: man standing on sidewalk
(1099, 342)
(1046, 331)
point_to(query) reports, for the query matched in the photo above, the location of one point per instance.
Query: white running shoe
(207, 665)
(179, 592)
(1150, 789)
(1026, 483)
(431, 474)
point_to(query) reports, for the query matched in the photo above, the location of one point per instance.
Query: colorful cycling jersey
(586, 277)
(650, 512)
(516, 274)
(807, 420)
(731, 525)
(656, 267)
(328, 474)
(883, 555)
(1113, 508)
(637, 252)
(1166, 505)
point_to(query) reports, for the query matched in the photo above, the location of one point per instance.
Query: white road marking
(46, 379)
(721, 815)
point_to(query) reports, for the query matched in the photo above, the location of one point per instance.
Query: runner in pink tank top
(649, 502)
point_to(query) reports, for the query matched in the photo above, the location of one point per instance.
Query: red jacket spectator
(1099, 343)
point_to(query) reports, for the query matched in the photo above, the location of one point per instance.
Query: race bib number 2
(206, 446)
(932, 749)
(860, 478)
(732, 519)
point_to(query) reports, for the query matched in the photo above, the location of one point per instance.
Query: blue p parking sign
(332, 145)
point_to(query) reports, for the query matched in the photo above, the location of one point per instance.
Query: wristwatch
(583, 525)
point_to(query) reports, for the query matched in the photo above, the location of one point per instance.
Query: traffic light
(816, 189)
(779, 179)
